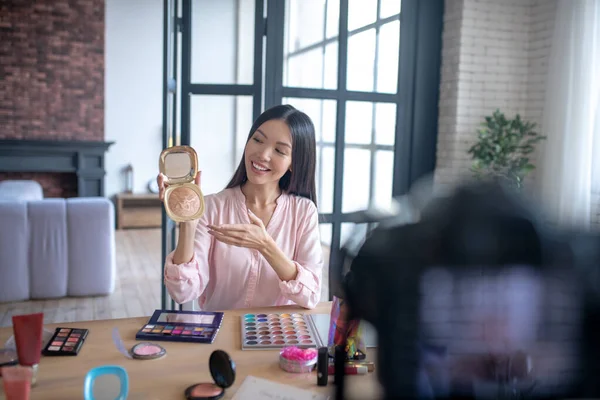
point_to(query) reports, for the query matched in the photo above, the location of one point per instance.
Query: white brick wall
(494, 56)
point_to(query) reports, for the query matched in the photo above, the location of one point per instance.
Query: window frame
(416, 100)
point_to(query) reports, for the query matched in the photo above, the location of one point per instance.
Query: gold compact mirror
(183, 198)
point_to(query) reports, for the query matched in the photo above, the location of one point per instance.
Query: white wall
(494, 56)
(133, 89)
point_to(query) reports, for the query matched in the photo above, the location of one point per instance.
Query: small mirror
(178, 165)
(107, 387)
(108, 382)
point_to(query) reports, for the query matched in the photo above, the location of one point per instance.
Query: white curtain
(571, 115)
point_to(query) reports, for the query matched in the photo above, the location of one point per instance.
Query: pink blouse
(224, 277)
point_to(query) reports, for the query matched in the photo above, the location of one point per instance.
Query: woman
(258, 243)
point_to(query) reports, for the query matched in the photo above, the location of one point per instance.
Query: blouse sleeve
(187, 281)
(305, 290)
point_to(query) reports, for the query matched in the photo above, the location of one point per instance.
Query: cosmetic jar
(297, 360)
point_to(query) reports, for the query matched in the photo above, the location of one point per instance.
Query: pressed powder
(147, 351)
(206, 390)
(183, 198)
(222, 369)
(184, 202)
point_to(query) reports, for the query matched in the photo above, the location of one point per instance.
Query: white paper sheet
(261, 389)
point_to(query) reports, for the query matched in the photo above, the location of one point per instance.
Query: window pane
(216, 137)
(304, 23)
(222, 41)
(350, 229)
(304, 69)
(333, 18)
(359, 122)
(387, 62)
(321, 112)
(361, 61)
(389, 8)
(329, 118)
(315, 67)
(325, 174)
(243, 112)
(383, 181)
(330, 74)
(385, 123)
(326, 233)
(361, 13)
(355, 196)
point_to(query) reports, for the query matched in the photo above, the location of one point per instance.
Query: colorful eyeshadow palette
(66, 342)
(275, 331)
(182, 326)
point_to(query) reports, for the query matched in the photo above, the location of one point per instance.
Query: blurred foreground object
(478, 299)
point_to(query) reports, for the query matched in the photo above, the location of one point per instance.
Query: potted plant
(503, 149)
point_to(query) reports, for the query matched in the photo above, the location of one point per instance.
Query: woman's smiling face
(268, 153)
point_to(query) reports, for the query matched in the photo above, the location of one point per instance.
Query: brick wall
(52, 77)
(52, 69)
(62, 185)
(494, 56)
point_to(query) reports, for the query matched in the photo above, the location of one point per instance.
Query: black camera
(478, 299)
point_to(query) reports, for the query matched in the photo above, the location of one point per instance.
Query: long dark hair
(301, 180)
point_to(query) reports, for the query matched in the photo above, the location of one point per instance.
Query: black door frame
(421, 24)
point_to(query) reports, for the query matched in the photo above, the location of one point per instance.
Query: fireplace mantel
(83, 158)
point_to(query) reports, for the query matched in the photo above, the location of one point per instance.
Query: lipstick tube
(350, 369)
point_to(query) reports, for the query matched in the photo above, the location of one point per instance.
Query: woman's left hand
(251, 236)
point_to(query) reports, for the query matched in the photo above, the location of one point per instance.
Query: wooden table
(185, 363)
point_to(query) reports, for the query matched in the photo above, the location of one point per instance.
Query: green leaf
(502, 147)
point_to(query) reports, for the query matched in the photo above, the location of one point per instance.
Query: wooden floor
(137, 286)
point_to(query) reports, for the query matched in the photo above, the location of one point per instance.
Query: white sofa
(53, 247)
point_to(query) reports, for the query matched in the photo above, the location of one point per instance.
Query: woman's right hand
(161, 179)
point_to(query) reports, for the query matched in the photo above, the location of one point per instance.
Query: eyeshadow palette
(182, 326)
(274, 331)
(65, 342)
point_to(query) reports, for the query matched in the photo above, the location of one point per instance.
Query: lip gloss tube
(350, 370)
(28, 330)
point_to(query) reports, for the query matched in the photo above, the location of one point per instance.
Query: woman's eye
(256, 140)
(281, 152)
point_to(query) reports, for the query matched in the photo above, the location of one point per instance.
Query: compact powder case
(147, 351)
(183, 199)
(222, 369)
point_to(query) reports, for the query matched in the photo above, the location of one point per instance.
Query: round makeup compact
(147, 351)
(222, 369)
(183, 199)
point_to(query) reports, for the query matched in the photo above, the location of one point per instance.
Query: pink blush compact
(147, 351)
